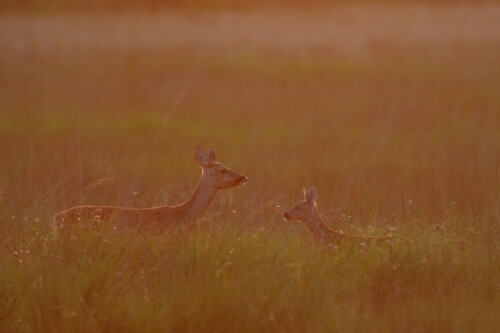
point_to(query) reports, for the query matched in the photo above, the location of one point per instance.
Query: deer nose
(286, 216)
(243, 180)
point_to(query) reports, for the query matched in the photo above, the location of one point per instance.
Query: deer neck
(202, 197)
(319, 230)
(314, 219)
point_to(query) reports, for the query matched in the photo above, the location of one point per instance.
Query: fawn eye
(297, 207)
(223, 171)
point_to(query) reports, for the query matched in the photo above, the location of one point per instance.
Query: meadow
(391, 111)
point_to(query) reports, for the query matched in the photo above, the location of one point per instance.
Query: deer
(306, 211)
(215, 176)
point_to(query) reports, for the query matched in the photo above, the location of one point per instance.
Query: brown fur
(307, 212)
(214, 177)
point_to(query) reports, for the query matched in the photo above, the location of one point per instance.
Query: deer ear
(211, 155)
(200, 157)
(305, 193)
(311, 196)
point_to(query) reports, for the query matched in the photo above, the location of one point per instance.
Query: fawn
(215, 176)
(307, 212)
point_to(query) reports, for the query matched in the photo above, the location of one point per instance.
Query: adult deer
(307, 212)
(215, 176)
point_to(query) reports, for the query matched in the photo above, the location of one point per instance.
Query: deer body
(214, 177)
(307, 212)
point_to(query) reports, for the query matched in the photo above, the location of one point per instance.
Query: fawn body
(307, 212)
(215, 176)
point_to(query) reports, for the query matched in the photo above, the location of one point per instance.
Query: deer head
(216, 174)
(305, 209)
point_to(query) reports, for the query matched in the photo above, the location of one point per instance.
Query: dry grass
(392, 112)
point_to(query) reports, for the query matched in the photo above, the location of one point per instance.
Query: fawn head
(215, 173)
(303, 209)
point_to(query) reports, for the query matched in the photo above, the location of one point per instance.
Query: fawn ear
(211, 155)
(311, 196)
(200, 157)
(305, 193)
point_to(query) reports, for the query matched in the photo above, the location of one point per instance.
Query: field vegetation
(391, 111)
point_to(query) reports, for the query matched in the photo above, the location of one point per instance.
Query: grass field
(391, 111)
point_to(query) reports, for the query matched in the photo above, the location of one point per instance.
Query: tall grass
(399, 134)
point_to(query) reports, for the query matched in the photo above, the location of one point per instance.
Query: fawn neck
(200, 200)
(314, 222)
(319, 230)
(314, 218)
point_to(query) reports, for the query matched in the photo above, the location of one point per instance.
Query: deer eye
(297, 207)
(223, 171)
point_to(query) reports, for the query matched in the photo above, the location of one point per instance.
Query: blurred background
(390, 109)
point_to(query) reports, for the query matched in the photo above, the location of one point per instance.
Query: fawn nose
(286, 216)
(243, 180)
